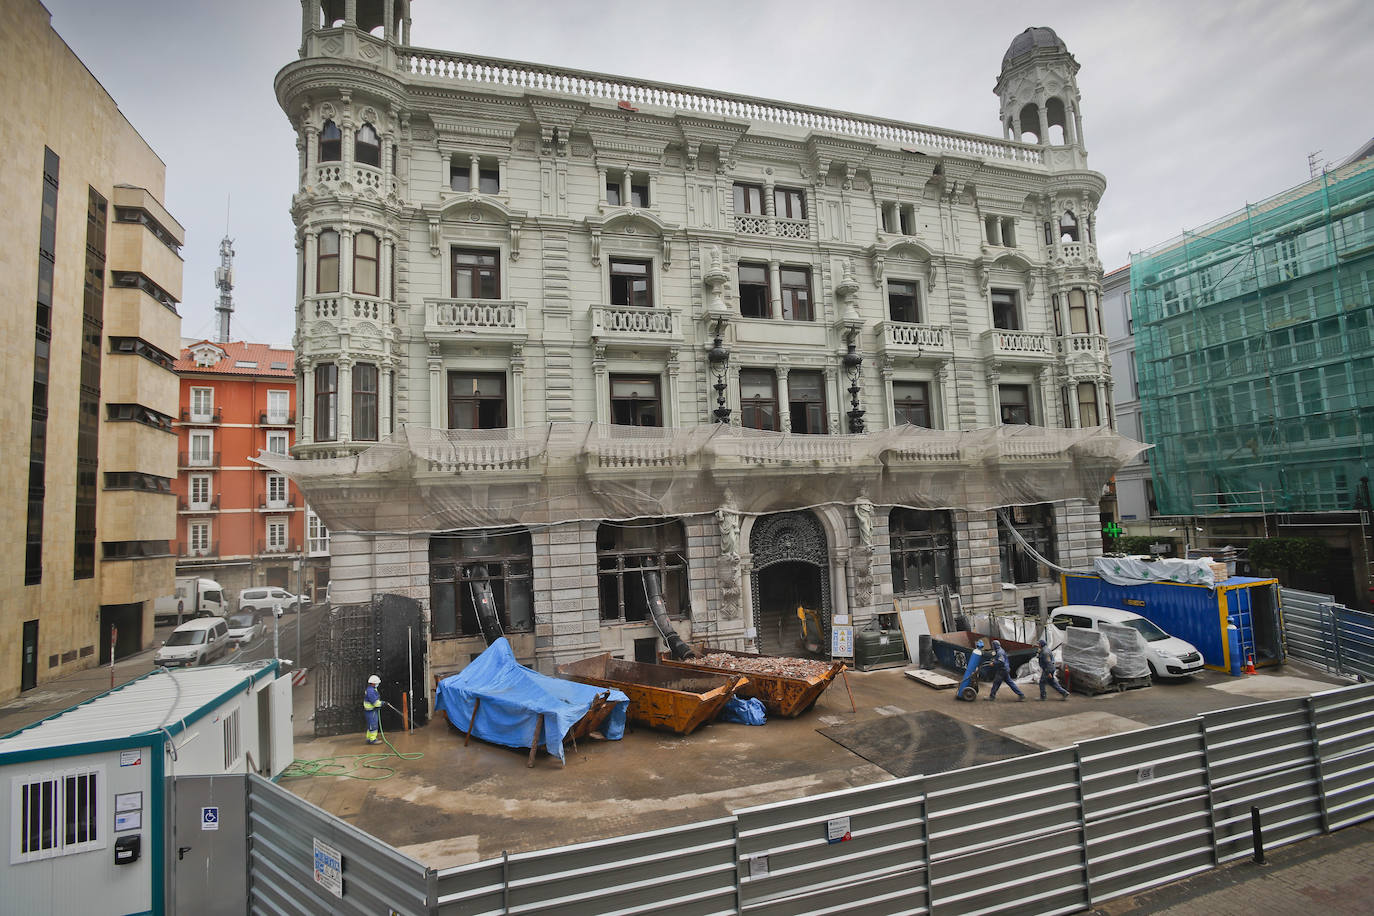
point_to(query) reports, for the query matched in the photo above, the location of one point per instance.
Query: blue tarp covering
(514, 696)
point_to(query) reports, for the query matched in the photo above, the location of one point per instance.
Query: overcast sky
(1190, 108)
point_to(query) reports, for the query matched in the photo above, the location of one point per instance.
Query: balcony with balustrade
(358, 177)
(1018, 346)
(1075, 254)
(915, 341)
(634, 325)
(474, 320)
(775, 226)
(1092, 344)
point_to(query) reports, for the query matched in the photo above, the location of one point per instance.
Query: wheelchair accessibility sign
(209, 818)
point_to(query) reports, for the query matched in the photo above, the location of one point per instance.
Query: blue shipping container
(1197, 613)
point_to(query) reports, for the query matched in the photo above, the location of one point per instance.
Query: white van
(194, 597)
(1168, 655)
(196, 642)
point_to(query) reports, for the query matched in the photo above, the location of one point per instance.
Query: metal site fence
(382, 637)
(1321, 631)
(1054, 832)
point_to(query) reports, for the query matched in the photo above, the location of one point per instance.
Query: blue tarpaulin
(513, 697)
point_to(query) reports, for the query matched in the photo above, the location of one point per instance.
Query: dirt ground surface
(459, 804)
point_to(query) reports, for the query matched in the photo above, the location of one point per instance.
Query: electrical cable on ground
(348, 765)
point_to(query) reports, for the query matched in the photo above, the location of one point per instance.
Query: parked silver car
(195, 642)
(268, 598)
(245, 627)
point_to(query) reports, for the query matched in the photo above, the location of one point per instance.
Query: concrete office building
(90, 286)
(556, 328)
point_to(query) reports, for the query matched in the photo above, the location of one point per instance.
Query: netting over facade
(1255, 357)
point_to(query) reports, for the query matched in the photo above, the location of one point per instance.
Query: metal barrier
(1322, 632)
(1053, 832)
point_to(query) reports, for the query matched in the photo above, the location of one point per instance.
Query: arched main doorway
(791, 563)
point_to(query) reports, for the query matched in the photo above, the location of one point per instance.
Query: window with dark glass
(1014, 401)
(789, 203)
(632, 283)
(758, 399)
(628, 554)
(488, 176)
(476, 274)
(639, 191)
(476, 400)
(795, 284)
(326, 402)
(911, 403)
(365, 264)
(327, 263)
(1005, 314)
(367, 146)
(88, 408)
(749, 199)
(1078, 312)
(38, 417)
(463, 566)
(331, 142)
(923, 556)
(754, 299)
(1087, 405)
(365, 402)
(635, 401)
(1036, 525)
(904, 301)
(806, 402)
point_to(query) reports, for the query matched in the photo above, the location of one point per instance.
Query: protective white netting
(427, 480)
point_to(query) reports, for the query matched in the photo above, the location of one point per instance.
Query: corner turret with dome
(1039, 92)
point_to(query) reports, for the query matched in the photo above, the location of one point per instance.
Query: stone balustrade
(901, 338)
(1095, 344)
(490, 319)
(632, 324)
(1017, 345)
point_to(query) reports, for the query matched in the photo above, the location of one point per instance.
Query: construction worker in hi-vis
(372, 710)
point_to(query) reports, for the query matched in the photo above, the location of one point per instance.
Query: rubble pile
(771, 665)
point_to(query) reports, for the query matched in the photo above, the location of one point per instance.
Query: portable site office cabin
(88, 804)
(1198, 613)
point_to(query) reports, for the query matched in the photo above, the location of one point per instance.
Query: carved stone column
(775, 287)
(517, 386)
(437, 420)
(784, 410)
(603, 384)
(305, 429)
(345, 398)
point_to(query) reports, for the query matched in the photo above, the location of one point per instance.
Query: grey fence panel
(1308, 627)
(1007, 837)
(1262, 755)
(282, 829)
(1355, 635)
(687, 870)
(1145, 802)
(788, 866)
(1344, 725)
(478, 889)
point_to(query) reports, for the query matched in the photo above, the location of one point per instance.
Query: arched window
(365, 264)
(1068, 227)
(922, 550)
(1036, 525)
(1058, 125)
(625, 551)
(367, 148)
(461, 568)
(331, 142)
(1030, 124)
(327, 263)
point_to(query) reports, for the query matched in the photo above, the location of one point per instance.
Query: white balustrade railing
(791, 228)
(474, 315)
(1014, 343)
(632, 321)
(367, 177)
(365, 309)
(331, 172)
(748, 224)
(638, 455)
(797, 449)
(326, 308)
(1071, 251)
(1083, 343)
(486, 456)
(915, 336)
(539, 78)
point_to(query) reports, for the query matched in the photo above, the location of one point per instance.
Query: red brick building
(238, 522)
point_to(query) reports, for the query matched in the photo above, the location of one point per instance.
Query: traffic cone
(1249, 664)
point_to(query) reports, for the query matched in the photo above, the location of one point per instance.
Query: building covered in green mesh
(1255, 359)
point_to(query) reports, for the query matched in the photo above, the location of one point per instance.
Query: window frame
(1078, 311)
(1003, 307)
(317, 534)
(285, 439)
(636, 401)
(820, 405)
(476, 402)
(915, 297)
(787, 293)
(1036, 525)
(512, 552)
(366, 422)
(56, 822)
(206, 411)
(766, 289)
(629, 279)
(668, 556)
(934, 547)
(1002, 406)
(789, 200)
(277, 499)
(326, 419)
(902, 407)
(742, 194)
(1090, 402)
(282, 395)
(748, 408)
(278, 535)
(327, 263)
(373, 159)
(198, 532)
(477, 273)
(200, 435)
(330, 140)
(192, 482)
(371, 262)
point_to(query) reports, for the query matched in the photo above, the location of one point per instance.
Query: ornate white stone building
(489, 245)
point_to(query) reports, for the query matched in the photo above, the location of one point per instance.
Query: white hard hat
(374, 680)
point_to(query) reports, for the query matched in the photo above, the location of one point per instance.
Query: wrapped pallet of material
(1129, 647)
(1088, 656)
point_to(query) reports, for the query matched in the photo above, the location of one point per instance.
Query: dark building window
(136, 480)
(1005, 314)
(903, 301)
(758, 399)
(1014, 401)
(136, 550)
(460, 176)
(806, 402)
(137, 413)
(635, 401)
(795, 283)
(327, 264)
(625, 551)
(632, 283)
(789, 204)
(922, 550)
(476, 274)
(367, 147)
(365, 264)
(639, 191)
(139, 347)
(755, 300)
(911, 403)
(365, 402)
(462, 566)
(476, 400)
(131, 279)
(326, 402)
(1036, 525)
(331, 142)
(749, 199)
(42, 332)
(139, 215)
(88, 408)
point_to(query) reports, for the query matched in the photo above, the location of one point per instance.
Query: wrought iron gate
(385, 637)
(791, 537)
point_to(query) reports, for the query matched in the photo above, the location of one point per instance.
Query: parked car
(196, 642)
(1169, 656)
(245, 627)
(268, 599)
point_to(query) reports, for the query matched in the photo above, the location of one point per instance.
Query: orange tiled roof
(236, 352)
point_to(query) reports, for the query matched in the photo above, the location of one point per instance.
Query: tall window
(331, 142)
(57, 815)
(276, 535)
(632, 283)
(1078, 312)
(1088, 414)
(806, 402)
(365, 402)
(367, 146)
(911, 403)
(463, 567)
(88, 412)
(276, 491)
(639, 190)
(460, 175)
(625, 552)
(199, 491)
(201, 448)
(476, 400)
(277, 443)
(1014, 401)
(795, 283)
(327, 264)
(198, 539)
(202, 404)
(635, 401)
(754, 296)
(38, 416)
(326, 402)
(278, 403)
(749, 199)
(758, 399)
(317, 534)
(789, 203)
(904, 301)
(365, 264)
(922, 550)
(1036, 525)
(476, 274)
(1005, 314)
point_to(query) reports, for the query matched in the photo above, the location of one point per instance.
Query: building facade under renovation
(572, 340)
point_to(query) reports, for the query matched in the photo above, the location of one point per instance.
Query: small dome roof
(1036, 37)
